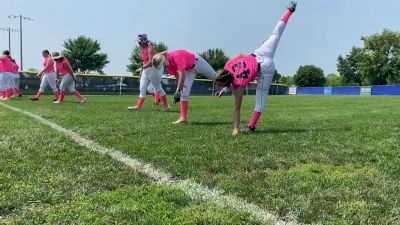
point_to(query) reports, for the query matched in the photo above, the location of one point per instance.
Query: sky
(317, 34)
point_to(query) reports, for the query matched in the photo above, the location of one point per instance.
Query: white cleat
(167, 109)
(83, 100)
(57, 102)
(133, 108)
(180, 121)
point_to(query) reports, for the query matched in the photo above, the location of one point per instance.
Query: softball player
(47, 76)
(184, 65)
(242, 70)
(64, 68)
(149, 75)
(6, 69)
(16, 79)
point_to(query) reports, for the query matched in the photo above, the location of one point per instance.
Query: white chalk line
(194, 190)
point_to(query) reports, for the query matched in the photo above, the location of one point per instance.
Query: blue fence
(386, 90)
(345, 90)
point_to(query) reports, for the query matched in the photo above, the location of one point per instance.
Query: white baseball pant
(67, 83)
(48, 79)
(265, 55)
(201, 67)
(152, 76)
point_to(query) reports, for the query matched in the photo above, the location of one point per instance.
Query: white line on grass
(194, 190)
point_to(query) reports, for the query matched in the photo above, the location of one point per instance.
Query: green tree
(376, 63)
(84, 56)
(287, 80)
(216, 57)
(309, 76)
(333, 80)
(381, 65)
(349, 67)
(136, 56)
(277, 77)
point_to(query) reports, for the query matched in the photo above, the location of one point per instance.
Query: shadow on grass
(209, 123)
(300, 130)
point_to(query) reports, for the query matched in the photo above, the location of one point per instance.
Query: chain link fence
(129, 85)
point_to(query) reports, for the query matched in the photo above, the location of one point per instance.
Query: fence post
(120, 86)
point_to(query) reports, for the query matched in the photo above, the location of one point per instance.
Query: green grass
(330, 160)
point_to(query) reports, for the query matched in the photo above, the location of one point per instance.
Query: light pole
(20, 17)
(9, 30)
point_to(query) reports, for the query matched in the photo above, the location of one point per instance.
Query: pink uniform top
(16, 69)
(145, 54)
(48, 65)
(61, 67)
(244, 70)
(180, 60)
(6, 64)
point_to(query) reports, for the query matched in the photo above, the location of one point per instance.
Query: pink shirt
(61, 67)
(48, 65)
(244, 70)
(6, 64)
(180, 60)
(16, 68)
(145, 54)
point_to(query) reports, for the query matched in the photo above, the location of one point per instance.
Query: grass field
(328, 160)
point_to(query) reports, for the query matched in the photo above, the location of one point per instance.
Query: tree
(216, 57)
(376, 63)
(287, 80)
(333, 80)
(309, 76)
(136, 60)
(349, 67)
(277, 77)
(84, 56)
(381, 64)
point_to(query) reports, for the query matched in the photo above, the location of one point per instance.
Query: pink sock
(154, 95)
(156, 98)
(164, 101)
(62, 95)
(78, 95)
(56, 95)
(254, 119)
(184, 109)
(286, 17)
(140, 102)
(8, 93)
(16, 92)
(39, 93)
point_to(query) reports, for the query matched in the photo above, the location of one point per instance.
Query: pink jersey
(244, 70)
(180, 60)
(48, 65)
(6, 64)
(16, 69)
(61, 67)
(145, 54)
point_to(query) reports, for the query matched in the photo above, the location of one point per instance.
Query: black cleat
(249, 130)
(292, 6)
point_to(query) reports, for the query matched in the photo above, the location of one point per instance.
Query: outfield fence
(97, 84)
(348, 90)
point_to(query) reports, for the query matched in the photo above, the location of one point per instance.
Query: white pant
(201, 67)
(67, 83)
(6, 81)
(16, 78)
(265, 55)
(48, 79)
(151, 76)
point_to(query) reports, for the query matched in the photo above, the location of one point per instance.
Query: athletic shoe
(57, 102)
(20, 95)
(292, 6)
(6, 99)
(133, 108)
(83, 100)
(36, 99)
(180, 121)
(249, 130)
(166, 109)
